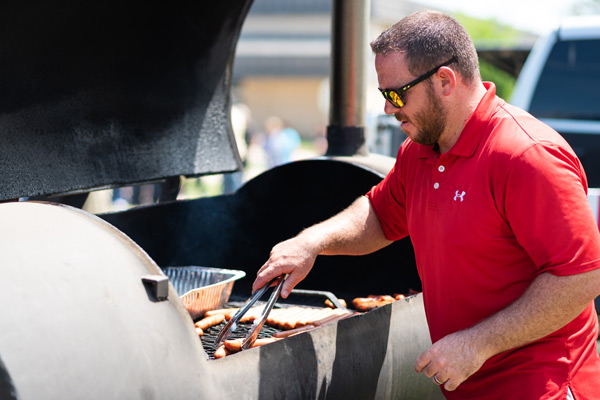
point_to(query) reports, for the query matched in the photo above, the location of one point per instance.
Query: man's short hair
(428, 39)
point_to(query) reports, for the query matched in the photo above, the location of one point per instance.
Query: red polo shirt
(505, 204)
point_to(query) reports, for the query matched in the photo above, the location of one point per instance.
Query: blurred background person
(279, 142)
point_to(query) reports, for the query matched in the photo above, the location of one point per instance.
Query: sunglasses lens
(395, 99)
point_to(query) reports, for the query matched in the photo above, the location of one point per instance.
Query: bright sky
(536, 16)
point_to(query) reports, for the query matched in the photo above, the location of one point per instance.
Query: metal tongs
(259, 322)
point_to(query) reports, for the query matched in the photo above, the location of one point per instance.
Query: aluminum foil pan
(202, 288)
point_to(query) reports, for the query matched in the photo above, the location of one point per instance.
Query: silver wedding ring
(436, 381)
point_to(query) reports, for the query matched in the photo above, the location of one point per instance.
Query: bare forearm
(548, 304)
(354, 231)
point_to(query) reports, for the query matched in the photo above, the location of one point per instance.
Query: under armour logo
(459, 196)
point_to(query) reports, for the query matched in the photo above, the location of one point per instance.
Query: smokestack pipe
(348, 78)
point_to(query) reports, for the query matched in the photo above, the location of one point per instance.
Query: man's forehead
(393, 56)
(392, 69)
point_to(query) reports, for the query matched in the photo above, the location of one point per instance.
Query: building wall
(300, 101)
(282, 63)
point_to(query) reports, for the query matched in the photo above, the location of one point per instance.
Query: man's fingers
(290, 283)
(430, 371)
(260, 281)
(287, 287)
(441, 368)
(451, 384)
(268, 272)
(291, 257)
(422, 362)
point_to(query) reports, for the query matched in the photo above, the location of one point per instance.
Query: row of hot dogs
(290, 320)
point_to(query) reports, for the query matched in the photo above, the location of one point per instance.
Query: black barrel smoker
(115, 93)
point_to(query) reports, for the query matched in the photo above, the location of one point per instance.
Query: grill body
(86, 326)
(78, 321)
(114, 93)
(127, 92)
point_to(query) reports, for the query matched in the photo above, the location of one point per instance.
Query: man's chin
(422, 140)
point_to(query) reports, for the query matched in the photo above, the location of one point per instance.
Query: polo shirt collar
(471, 135)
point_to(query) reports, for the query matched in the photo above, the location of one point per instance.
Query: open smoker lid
(101, 94)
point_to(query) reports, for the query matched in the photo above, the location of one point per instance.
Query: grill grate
(210, 334)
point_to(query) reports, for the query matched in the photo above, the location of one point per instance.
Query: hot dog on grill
(235, 345)
(221, 352)
(296, 317)
(292, 332)
(207, 322)
(337, 315)
(230, 312)
(316, 315)
(288, 318)
(227, 312)
(281, 314)
(293, 321)
(371, 302)
(251, 314)
(329, 304)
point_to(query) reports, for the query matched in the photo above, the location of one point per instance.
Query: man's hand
(452, 359)
(295, 257)
(547, 305)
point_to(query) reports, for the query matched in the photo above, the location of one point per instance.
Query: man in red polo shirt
(495, 204)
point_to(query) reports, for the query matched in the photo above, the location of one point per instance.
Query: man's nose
(389, 109)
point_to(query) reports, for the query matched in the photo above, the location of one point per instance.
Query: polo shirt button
(441, 168)
(436, 185)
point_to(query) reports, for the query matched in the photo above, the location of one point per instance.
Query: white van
(560, 84)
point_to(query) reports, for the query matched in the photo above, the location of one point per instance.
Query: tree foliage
(491, 33)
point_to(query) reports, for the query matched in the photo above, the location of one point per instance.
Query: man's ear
(447, 80)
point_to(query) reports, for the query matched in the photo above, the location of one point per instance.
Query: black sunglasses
(394, 96)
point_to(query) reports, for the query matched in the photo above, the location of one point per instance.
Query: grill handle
(332, 297)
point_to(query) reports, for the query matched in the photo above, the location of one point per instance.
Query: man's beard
(430, 123)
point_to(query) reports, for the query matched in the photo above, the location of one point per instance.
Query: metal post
(348, 78)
